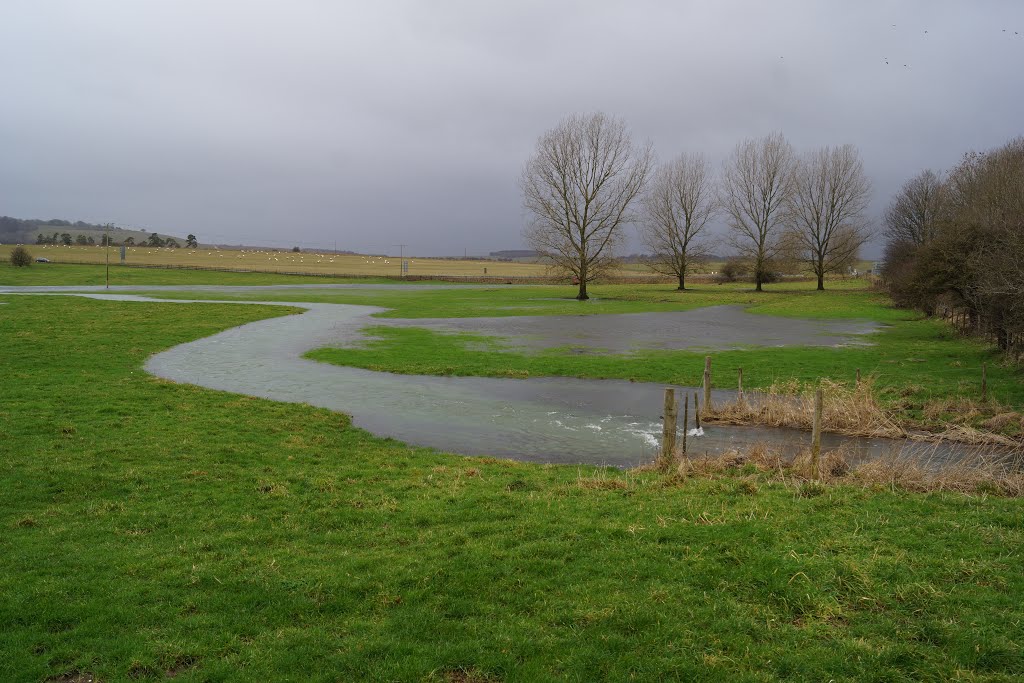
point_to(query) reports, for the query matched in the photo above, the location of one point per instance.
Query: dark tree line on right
(955, 243)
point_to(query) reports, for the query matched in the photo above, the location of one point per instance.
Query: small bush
(731, 270)
(20, 257)
(770, 276)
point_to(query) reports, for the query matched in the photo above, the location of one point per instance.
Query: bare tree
(914, 212)
(580, 186)
(678, 206)
(972, 261)
(825, 209)
(755, 186)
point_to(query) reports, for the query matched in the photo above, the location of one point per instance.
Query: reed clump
(847, 410)
(856, 411)
(914, 467)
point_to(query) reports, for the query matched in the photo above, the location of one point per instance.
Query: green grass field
(149, 529)
(65, 274)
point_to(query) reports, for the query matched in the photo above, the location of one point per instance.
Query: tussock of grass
(908, 469)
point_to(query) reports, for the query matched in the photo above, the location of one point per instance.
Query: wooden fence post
(696, 410)
(686, 425)
(816, 437)
(668, 430)
(740, 385)
(707, 385)
(984, 382)
(858, 377)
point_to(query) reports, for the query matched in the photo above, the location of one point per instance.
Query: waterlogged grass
(846, 299)
(150, 529)
(912, 362)
(915, 362)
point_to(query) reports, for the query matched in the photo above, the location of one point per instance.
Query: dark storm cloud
(386, 122)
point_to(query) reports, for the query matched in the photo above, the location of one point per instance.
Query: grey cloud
(386, 122)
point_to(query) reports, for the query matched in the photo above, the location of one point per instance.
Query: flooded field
(551, 420)
(712, 328)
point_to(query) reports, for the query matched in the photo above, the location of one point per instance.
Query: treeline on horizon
(24, 229)
(955, 244)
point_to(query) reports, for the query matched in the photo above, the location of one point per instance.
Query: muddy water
(554, 420)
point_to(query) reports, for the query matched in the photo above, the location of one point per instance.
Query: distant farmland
(327, 263)
(267, 260)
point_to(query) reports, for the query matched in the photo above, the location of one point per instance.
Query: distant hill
(28, 231)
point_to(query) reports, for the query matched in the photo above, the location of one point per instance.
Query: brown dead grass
(855, 411)
(1001, 421)
(910, 469)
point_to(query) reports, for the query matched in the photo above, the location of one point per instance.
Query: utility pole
(401, 259)
(106, 250)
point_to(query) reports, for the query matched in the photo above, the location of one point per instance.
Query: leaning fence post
(816, 436)
(707, 384)
(696, 410)
(668, 431)
(984, 382)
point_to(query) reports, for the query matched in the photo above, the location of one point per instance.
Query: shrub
(769, 276)
(731, 270)
(20, 257)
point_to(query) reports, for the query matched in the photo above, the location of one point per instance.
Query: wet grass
(791, 299)
(149, 529)
(916, 365)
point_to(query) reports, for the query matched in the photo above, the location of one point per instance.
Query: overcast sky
(387, 122)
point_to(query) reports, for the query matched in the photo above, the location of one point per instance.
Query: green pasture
(152, 530)
(70, 274)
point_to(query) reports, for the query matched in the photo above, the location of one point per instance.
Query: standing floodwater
(556, 420)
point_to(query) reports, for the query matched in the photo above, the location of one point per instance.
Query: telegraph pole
(401, 258)
(106, 250)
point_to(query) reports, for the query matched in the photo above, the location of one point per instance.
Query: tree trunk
(821, 282)
(682, 282)
(757, 287)
(582, 296)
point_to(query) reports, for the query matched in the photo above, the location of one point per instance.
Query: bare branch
(914, 212)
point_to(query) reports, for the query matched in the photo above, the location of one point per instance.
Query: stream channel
(546, 420)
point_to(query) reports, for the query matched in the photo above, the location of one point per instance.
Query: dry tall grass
(852, 411)
(909, 468)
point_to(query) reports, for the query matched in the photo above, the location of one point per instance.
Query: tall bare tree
(914, 212)
(756, 183)
(677, 208)
(825, 209)
(580, 186)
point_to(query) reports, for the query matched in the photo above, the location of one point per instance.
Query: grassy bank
(151, 529)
